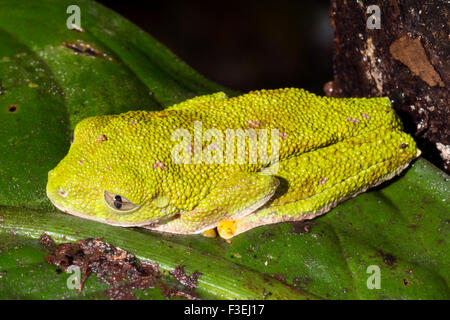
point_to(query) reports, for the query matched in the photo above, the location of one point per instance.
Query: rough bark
(407, 59)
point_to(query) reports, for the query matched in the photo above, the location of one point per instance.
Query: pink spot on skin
(62, 192)
(365, 116)
(254, 124)
(133, 122)
(109, 168)
(101, 138)
(323, 180)
(80, 161)
(354, 120)
(159, 164)
(283, 135)
(387, 111)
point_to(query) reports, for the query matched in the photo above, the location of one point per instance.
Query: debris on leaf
(13, 108)
(118, 268)
(82, 48)
(47, 241)
(184, 279)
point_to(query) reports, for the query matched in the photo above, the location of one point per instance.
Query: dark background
(243, 45)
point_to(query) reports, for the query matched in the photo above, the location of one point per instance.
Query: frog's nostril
(63, 193)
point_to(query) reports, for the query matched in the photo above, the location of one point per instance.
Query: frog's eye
(119, 203)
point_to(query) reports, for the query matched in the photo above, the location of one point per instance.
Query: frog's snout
(49, 188)
(53, 188)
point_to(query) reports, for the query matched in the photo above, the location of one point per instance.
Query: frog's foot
(227, 229)
(210, 233)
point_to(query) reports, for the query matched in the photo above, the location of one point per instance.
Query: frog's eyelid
(109, 199)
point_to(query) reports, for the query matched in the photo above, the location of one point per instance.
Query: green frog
(229, 163)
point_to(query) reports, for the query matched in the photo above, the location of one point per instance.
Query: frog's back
(304, 121)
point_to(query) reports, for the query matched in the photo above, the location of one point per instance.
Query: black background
(243, 45)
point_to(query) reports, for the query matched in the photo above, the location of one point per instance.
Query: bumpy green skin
(329, 149)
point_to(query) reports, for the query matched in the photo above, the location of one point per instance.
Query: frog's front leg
(233, 198)
(317, 181)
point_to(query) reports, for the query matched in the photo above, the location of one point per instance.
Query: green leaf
(401, 227)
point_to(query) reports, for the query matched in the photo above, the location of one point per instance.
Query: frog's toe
(210, 233)
(227, 229)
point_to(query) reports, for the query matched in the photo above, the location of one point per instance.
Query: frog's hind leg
(321, 179)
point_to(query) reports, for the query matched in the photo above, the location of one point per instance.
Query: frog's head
(109, 174)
